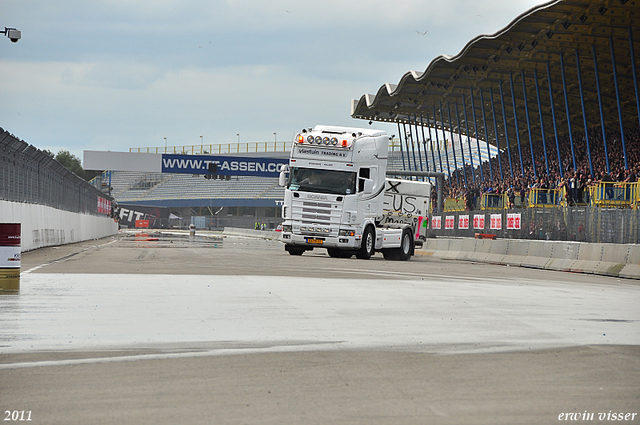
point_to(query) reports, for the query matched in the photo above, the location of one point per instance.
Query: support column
(544, 139)
(515, 122)
(486, 134)
(566, 103)
(407, 136)
(584, 113)
(475, 131)
(444, 140)
(555, 124)
(431, 142)
(633, 70)
(466, 126)
(404, 167)
(506, 130)
(453, 146)
(464, 168)
(424, 146)
(615, 79)
(495, 129)
(604, 133)
(415, 123)
(526, 112)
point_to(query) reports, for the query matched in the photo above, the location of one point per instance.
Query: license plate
(316, 241)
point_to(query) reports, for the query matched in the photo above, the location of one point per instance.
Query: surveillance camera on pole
(13, 34)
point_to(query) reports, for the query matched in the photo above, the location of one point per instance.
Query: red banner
(104, 206)
(463, 222)
(436, 222)
(513, 221)
(478, 221)
(449, 222)
(496, 222)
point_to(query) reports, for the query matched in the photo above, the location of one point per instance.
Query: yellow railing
(615, 195)
(544, 198)
(493, 201)
(455, 204)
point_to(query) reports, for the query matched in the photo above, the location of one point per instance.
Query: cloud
(112, 74)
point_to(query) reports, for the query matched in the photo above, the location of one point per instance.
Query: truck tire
(368, 247)
(294, 250)
(406, 245)
(406, 248)
(339, 253)
(390, 254)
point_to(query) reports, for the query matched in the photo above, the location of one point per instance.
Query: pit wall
(45, 226)
(595, 258)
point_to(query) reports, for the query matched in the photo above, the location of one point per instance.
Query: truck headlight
(286, 228)
(346, 232)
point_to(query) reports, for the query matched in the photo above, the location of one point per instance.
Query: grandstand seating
(187, 186)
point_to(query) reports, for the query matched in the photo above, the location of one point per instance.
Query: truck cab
(334, 193)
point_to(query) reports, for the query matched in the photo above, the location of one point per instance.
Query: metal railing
(615, 195)
(225, 148)
(229, 148)
(31, 176)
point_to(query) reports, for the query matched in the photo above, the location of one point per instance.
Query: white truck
(337, 196)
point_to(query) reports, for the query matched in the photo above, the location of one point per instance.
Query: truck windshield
(322, 181)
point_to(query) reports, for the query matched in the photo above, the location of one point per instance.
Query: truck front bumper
(308, 241)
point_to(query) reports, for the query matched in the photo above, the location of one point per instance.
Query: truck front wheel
(294, 250)
(368, 247)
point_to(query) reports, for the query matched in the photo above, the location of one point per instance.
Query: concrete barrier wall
(45, 226)
(604, 259)
(632, 268)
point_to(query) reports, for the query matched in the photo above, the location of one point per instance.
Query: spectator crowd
(517, 181)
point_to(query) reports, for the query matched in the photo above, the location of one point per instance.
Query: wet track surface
(207, 290)
(165, 297)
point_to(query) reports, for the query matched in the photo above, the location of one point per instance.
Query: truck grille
(324, 213)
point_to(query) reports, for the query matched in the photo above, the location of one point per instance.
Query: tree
(72, 163)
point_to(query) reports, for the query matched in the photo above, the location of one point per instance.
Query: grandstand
(542, 115)
(556, 93)
(226, 201)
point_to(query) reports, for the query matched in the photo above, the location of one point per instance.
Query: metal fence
(582, 224)
(29, 175)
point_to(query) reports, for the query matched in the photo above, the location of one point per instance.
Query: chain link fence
(29, 175)
(581, 224)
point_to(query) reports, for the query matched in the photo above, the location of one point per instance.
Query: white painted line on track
(33, 269)
(164, 356)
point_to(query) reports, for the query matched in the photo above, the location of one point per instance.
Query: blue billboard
(222, 165)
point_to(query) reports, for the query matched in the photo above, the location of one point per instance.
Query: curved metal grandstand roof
(526, 61)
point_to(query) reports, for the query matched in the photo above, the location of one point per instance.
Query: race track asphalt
(163, 329)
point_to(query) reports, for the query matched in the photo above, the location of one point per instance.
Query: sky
(121, 74)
